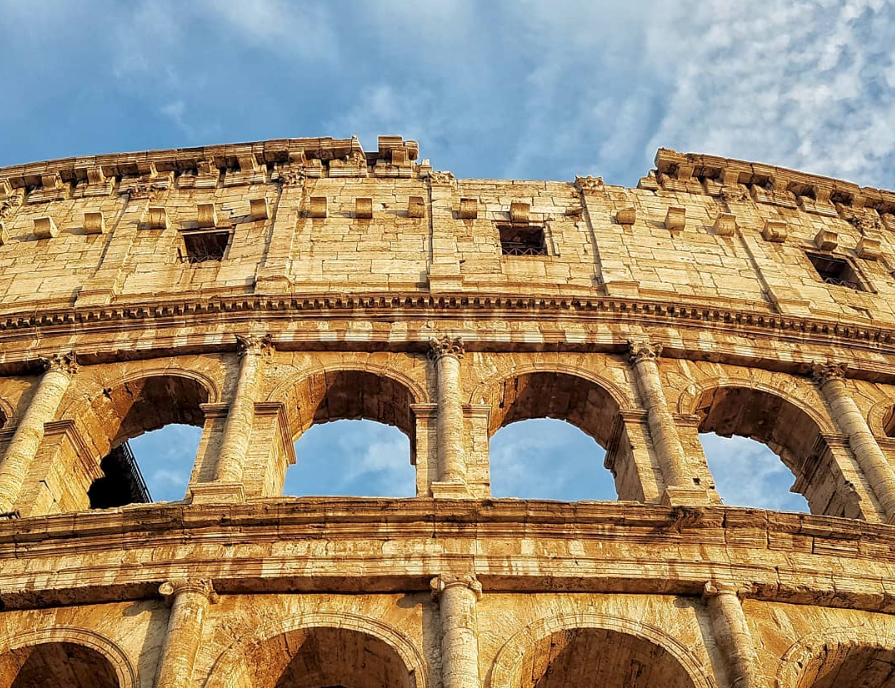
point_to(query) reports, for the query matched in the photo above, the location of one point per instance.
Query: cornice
(37, 324)
(74, 558)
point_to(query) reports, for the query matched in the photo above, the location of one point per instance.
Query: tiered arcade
(255, 290)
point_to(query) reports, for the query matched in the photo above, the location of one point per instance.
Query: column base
(685, 496)
(217, 493)
(450, 490)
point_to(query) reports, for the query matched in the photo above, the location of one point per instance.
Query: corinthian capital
(260, 345)
(445, 345)
(448, 580)
(61, 363)
(176, 586)
(822, 373)
(643, 349)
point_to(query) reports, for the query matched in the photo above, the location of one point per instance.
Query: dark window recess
(205, 246)
(522, 240)
(122, 482)
(837, 271)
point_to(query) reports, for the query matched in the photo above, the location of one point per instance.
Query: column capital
(445, 345)
(822, 373)
(65, 363)
(642, 349)
(716, 588)
(174, 587)
(444, 581)
(254, 344)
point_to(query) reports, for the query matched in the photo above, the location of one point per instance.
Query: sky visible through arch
(505, 88)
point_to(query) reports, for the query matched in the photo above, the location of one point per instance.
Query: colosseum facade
(255, 290)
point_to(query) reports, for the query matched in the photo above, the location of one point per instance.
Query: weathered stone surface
(362, 284)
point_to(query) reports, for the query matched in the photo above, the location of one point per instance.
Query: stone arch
(881, 418)
(235, 666)
(518, 652)
(85, 464)
(789, 426)
(569, 389)
(815, 660)
(387, 396)
(585, 399)
(689, 400)
(82, 637)
(6, 413)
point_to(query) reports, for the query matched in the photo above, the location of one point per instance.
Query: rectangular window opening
(522, 240)
(836, 271)
(206, 246)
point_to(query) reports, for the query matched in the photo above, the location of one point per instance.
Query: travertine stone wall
(358, 284)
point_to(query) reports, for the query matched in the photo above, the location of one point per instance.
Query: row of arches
(377, 462)
(324, 651)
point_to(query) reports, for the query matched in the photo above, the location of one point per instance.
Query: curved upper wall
(316, 220)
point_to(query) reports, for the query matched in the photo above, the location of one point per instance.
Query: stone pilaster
(189, 604)
(457, 598)
(732, 634)
(679, 485)
(446, 352)
(228, 475)
(30, 431)
(830, 378)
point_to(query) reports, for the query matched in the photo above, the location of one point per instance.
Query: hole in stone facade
(836, 271)
(522, 240)
(204, 246)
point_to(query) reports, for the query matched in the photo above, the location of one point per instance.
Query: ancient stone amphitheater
(255, 290)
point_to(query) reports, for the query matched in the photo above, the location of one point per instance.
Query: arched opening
(545, 458)
(354, 434)
(360, 458)
(789, 432)
(889, 423)
(158, 407)
(326, 657)
(54, 665)
(565, 460)
(747, 473)
(850, 666)
(599, 657)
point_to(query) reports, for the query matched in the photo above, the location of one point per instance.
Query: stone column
(732, 634)
(30, 431)
(877, 470)
(228, 474)
(679, 485)
(189, 603)
(457, 597)
(446, 352)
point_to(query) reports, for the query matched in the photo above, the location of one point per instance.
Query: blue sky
(496, 88)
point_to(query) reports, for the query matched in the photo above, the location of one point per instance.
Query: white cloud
(747, 473)
(800, 84)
